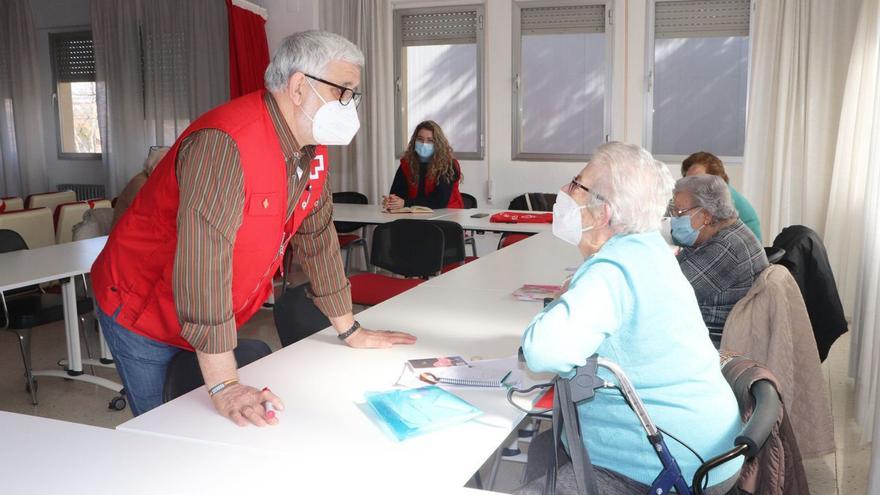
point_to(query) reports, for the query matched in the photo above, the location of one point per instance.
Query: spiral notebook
(474, 375)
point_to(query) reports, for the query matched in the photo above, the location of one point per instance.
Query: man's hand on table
(372, 339)
(243, 405)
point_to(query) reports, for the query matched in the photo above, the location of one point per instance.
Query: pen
(270, 409)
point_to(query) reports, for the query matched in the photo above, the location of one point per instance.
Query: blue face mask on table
(683, 233)
(424, 150)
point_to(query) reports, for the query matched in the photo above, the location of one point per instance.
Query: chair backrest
(533, 202)
(13, 203)
(50, 200)
(68, 215)
(412, 248)
(296, 316)
(184, 375)
(351, 198)
(453, 241)
(34, 226)
(807, 260)
(11, 241)
(774, 254)
(469, 201)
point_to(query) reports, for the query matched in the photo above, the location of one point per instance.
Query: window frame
(53, 36)
(648, 124)
(516, 69)
(400, 109)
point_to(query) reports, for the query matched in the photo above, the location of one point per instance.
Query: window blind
(74, 57)
(440, 28)
(701, 19)
(563, 19)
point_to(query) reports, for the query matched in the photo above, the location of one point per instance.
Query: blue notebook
(412, 412)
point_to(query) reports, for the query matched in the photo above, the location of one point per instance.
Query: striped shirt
(211, 183)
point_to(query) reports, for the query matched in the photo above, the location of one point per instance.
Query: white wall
(52, 16)
(287, 17)
(508, 177)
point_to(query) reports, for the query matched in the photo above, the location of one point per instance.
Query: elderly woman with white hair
(720, 255)
(630, 303)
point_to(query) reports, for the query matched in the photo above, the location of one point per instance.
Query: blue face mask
(683, 233)
(424, 150)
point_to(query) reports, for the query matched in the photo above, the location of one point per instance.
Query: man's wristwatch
(346, 334)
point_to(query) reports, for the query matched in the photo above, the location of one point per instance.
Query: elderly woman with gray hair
(720, 256)
(630, 303)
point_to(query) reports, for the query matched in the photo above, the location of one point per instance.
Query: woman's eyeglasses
(672, 211)
(346, 95)
(574, 183)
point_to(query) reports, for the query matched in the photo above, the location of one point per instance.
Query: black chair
(527, 202)
(296, 316)
(774, 254)
(348, 240)
(454, 254)
(184, 375)
(410, 248)
(470, 202)
(806, 259)
(28, 307)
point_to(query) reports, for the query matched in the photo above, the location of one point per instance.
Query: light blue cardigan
(631, 304)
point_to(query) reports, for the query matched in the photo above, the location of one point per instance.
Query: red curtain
(248, 51)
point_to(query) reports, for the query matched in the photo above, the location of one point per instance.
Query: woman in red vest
(429, 173)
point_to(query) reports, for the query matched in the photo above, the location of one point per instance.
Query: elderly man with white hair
(194, 256)
(630, 303)
(720, 255)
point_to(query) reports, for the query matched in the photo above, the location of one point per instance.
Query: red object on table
(519, 217)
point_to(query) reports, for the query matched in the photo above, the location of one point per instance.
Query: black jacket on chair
(806, 259)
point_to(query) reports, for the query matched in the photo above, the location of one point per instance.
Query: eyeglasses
(672, 211)
(574, 183)
(345, 94)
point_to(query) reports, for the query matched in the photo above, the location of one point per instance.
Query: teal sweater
(747, 214)
(631, 304)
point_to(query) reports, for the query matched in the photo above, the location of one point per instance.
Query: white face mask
(567, 219)
(334, 123)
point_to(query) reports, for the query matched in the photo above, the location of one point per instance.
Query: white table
(323, 382)
(466, 219)
(130, 463)
(60, 262)
(541, 259)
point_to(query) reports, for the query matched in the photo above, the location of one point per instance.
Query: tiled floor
(842, 473)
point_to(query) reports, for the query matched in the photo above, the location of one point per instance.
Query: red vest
(455, 200)
(134, 271)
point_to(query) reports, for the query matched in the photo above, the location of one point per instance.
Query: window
(438, 71)
(561, 79)
(698, 77)
(75, 95)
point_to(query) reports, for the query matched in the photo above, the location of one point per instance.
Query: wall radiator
(84, 191)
